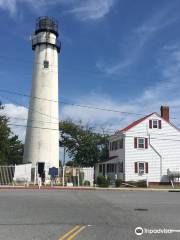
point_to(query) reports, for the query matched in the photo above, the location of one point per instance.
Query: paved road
(103, 215)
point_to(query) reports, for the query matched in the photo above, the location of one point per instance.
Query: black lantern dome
(50, 25)
(47, 24)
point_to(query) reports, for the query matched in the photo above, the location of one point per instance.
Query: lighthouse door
(40, 168)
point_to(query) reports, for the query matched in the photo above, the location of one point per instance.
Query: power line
(112, 130)
(55, 129)
(109, 130)
(26, 126)
(72, 104)
(43, 114)
(31, 120)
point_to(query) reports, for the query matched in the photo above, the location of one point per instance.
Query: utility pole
(64, 161)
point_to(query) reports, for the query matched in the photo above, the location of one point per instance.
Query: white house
(146, 149)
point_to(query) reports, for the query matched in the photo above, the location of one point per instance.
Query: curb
(88, 189)
(43, 188)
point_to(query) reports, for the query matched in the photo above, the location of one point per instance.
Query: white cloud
(17, 116)
(165, 92)
(9, 5)
(95, 117)
(84, 10)
(92, 9)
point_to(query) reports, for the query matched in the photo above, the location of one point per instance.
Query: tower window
(46, 64)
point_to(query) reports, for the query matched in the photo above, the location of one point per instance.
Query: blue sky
(117, 54)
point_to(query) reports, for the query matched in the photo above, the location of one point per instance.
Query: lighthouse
(42, 133)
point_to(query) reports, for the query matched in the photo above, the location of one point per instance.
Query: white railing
(6, 175)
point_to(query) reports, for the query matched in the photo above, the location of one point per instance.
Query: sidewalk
(87, 188)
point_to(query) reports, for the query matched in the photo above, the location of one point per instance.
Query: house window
(100, 168)
(141, 168)
(114, 145)
(155, 123)
(110, 167)
(46, 64)
(120, 167)
(110, 146)
(120, 143)
(141, 142)
(107, 168)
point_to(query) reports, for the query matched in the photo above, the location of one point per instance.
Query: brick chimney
(165, 113)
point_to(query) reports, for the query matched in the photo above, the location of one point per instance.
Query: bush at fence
(141, 183)
(86, 183)
(118, 182)
(102, 181)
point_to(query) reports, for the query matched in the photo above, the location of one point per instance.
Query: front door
(41, 168)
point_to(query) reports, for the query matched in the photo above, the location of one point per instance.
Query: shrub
(102, 181)
(108, 180)
(118, 182)
(86, 183)
(81, 177)
(141, 183)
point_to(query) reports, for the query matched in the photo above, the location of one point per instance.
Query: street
(100, 214)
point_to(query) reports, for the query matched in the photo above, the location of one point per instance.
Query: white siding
(163, 142)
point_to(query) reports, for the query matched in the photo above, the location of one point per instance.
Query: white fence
(6, 175)
(25, 174)
(88, 175)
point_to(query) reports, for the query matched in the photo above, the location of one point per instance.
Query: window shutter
(160, 124)
(135, 142)
(147, 169)
(146, 143)
(150, 123)
(135, 167)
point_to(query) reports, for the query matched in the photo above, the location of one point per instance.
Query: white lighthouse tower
(42, 134)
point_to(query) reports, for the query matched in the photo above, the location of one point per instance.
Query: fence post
(63, 174)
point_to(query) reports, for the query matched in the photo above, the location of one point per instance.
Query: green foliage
(71, 164)
(102, 181)
(108, 180)
(86, 183)
(60, 164)
(81, 177)
(118, 182)
(11, 149)
(141, 183)
(84, 147)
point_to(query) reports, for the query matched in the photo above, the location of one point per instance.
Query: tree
(84, 146)
(11, 149)
(71, 163)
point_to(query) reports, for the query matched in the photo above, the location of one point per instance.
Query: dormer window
(155, 123)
